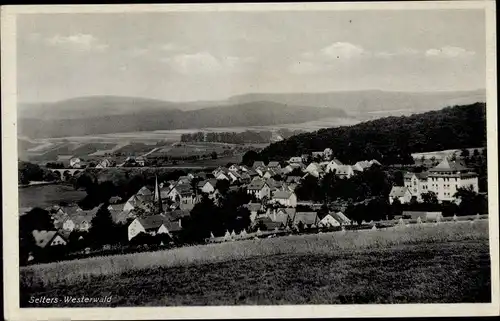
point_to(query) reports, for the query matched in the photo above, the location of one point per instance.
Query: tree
(102, 228)
(222, 186)
(213, 155)
(470, 201)
(250, 157)
(36, 219)
(465, 153)
(430, 198)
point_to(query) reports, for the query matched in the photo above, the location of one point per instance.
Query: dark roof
(152, 222)
(282, 195)
(43, 238)
(449, 166)
(253, 207)
(398, 191)
(307, 218)
(256, 184)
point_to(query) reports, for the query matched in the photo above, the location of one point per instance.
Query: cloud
(344, 50)
(449, 52)
(405, 52)
(205, 62)
(80, 41)
(172, 47)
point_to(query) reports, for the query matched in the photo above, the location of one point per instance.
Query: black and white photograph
(261, 156)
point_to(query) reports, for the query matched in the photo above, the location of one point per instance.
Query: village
(264, 199)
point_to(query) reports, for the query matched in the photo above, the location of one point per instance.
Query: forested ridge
(391, 140)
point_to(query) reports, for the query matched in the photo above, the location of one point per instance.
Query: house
(254, 209)
(344, 171)
(318, 155)
(223, 175)
(105, 163)
(244, 168)
(423, 215)
(115, 200)
(144, 191)
(333, 165)
(44, 239)
(328, 221)
(234, 168)
(185, 179)
(180, 191)
(314, 169)
(274, 164)
(75, 162)
(295, 160)
(270, 225)
(208, 186)
(327, 153)
(141, 161)
(258, 164)
(400, 193)
(416, 183)
(375, 162)
(305, 158)
(361, 166)
(259, 188)
(153, 225)
(293, 179)
(233, 176)
(341, 218)
(448, 176)
(285, 198)
(308, 219)
(283, 215)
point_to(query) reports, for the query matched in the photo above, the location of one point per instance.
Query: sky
(191, 56)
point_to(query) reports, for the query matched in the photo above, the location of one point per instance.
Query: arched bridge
(66, 173)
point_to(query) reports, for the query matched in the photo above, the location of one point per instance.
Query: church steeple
(157, 197)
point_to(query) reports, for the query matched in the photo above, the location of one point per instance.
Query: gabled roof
(449, 166)
(340, 217)
(307, 218)
(257, 164)
(336, 161)
(144, 191)
(256, 184)
(398, 191)
(282, 195)
(344, 170)
(176, 215)
(152, 221)
(119, 216)
(253, 207)
(273, 164)
(269, 224)
(43, 238)
(290, 212)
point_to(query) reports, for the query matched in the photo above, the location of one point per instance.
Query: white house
(401, 193)
(285, 198)
(333, 165)
(344, 171)
(75, 162)
(259, 188)
(209, 186)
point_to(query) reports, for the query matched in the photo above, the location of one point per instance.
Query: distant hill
(391, 140)
(355, 102)
(147, 119)
(92, 106)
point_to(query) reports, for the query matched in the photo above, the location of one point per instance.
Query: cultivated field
(448, 262)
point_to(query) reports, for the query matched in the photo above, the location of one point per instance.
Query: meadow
(48, 195)
(448, 262)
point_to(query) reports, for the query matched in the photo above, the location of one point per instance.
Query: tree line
(391, 140)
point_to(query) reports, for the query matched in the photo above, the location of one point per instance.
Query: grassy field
(48, 195)
(444, 263)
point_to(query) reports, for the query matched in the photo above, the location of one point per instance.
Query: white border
(10, 194)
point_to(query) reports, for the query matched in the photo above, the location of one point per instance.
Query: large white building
(444, 180)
